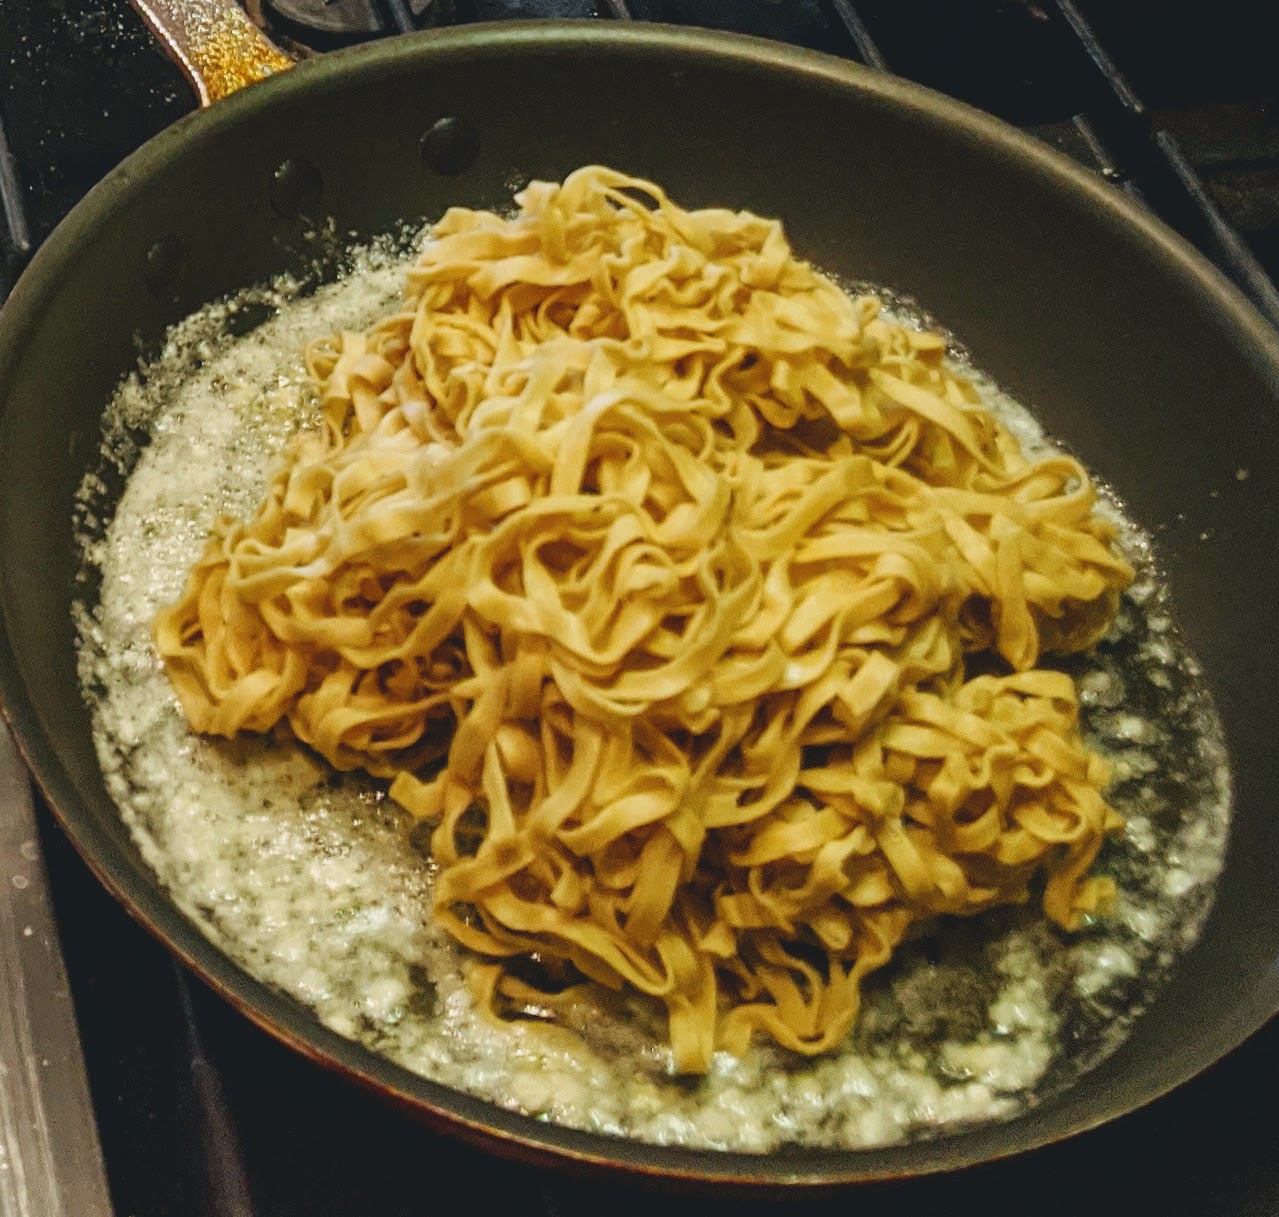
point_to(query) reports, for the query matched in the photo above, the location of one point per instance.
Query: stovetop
(202, 1115)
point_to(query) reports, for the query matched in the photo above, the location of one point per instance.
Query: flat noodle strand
(647, 564)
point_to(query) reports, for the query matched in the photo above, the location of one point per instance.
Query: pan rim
(127, 878)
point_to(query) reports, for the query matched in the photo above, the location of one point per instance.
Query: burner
(329, 21)
(360, 18)
(498, 10)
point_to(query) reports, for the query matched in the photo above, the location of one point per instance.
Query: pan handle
(214, 43)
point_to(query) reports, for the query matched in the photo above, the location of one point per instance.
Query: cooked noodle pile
(647, 563)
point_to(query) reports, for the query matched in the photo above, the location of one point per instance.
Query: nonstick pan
(1122, 339)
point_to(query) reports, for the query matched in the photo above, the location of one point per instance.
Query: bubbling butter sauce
(312, 883)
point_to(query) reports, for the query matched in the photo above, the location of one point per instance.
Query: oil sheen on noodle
(311, 883)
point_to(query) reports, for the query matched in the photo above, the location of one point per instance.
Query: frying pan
(1123, 340)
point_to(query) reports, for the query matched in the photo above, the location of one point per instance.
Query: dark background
(200, 1114)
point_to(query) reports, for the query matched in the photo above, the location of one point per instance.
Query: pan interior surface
(1124, 344)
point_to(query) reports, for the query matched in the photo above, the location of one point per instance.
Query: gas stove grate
(1109, 130)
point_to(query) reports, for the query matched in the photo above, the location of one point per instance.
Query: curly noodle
(647, 563)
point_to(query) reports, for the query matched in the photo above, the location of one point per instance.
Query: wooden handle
(214, 43)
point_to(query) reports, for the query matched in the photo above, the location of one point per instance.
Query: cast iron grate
(1037, 63)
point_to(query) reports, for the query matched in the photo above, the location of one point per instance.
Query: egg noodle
(652, 568)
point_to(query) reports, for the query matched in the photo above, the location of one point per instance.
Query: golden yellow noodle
(646, 562)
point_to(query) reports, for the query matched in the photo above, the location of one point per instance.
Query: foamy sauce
(313, 884)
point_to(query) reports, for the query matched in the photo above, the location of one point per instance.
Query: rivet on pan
(165, 261)
(296, 187)
(450, 146)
